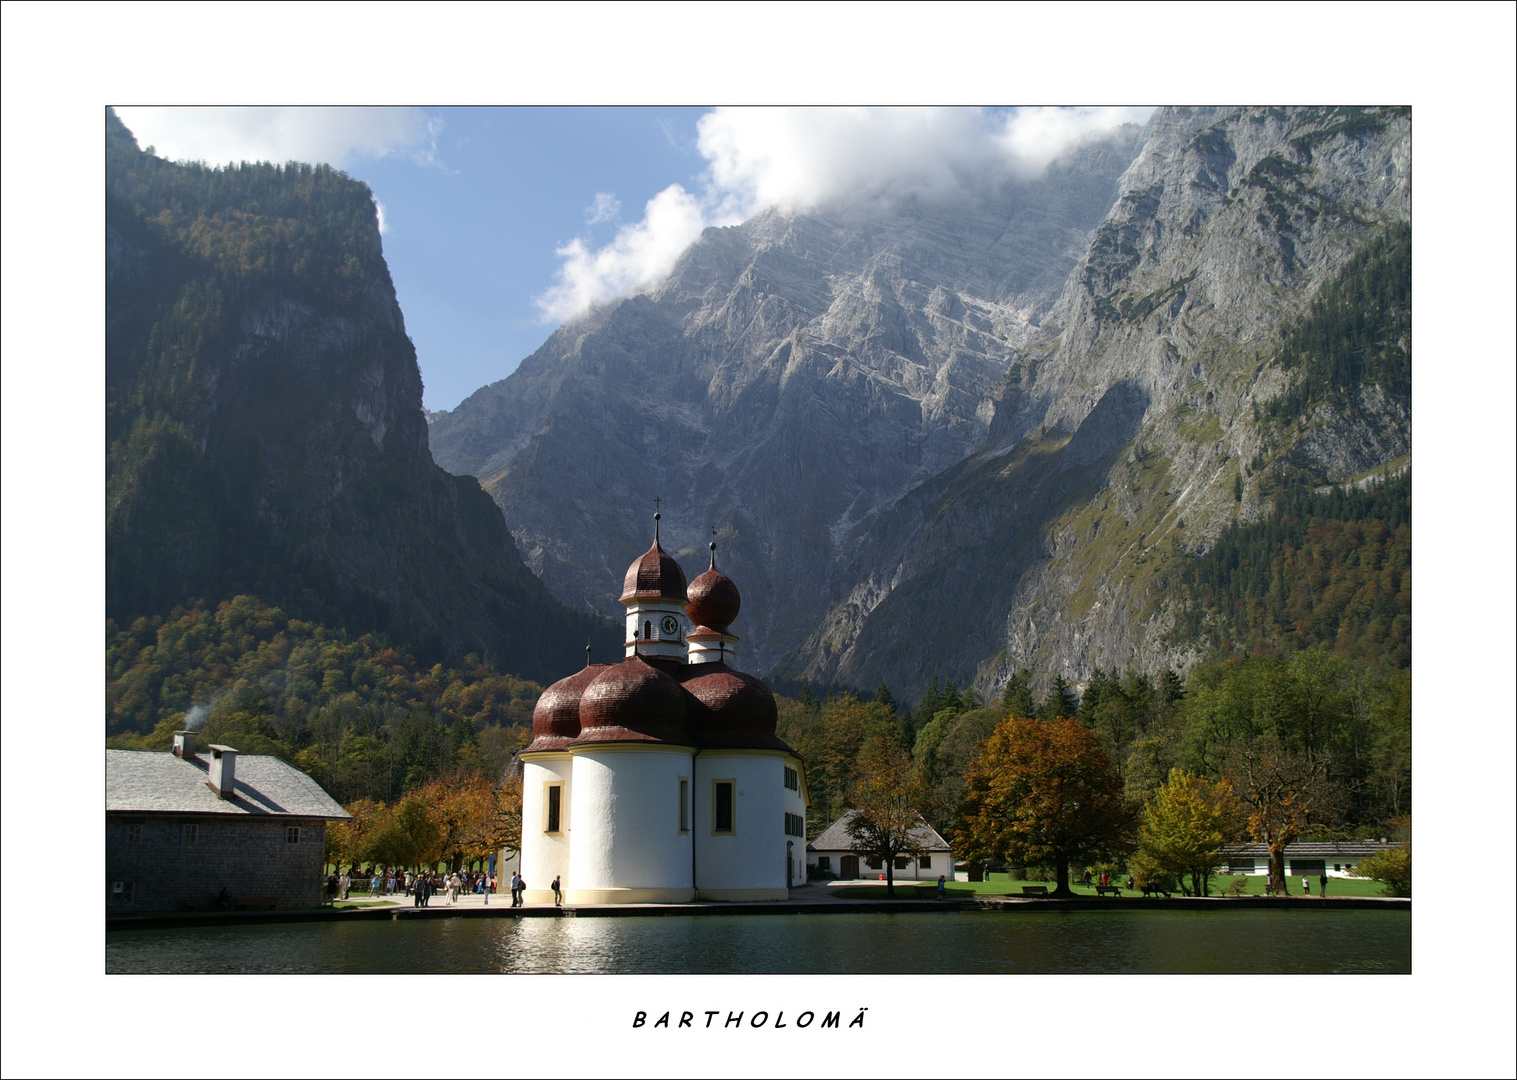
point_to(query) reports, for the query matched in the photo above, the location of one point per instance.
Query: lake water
(1104, 942)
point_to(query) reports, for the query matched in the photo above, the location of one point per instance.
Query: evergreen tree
(1017, 697)
(1060, 701)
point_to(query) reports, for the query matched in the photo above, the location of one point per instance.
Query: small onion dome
(714, 601)
(654, 576)
(555, 720)
(735, 711)
(633, 702)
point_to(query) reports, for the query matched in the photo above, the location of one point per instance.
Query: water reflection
(960, 943)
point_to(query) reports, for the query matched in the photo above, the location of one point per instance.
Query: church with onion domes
(660, 779)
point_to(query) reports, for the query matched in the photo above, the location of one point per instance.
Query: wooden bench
(1102, 890)
(1034, 890)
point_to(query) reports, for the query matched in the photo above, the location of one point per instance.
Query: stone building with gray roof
(182, 827)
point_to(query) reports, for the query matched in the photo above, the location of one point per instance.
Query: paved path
(806, 894)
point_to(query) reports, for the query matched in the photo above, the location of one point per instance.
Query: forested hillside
(1329, 570)
(1357, 335)
(364, 719)
(264, 428)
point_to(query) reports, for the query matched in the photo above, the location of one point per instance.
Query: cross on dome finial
(712, 546)
(657, 514)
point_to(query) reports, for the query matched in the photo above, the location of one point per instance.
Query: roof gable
(835, 837)
(142, 781)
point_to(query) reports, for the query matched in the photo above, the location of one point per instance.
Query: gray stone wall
(250, 856)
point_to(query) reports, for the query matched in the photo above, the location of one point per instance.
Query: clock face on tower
(670, 626)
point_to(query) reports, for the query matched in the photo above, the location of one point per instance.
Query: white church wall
(544, 851)
(627, 845)
(747, 862)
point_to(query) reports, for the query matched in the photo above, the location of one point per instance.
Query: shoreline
(824, 905)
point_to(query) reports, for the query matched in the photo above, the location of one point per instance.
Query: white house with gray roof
(1305, 858)
(832, 853)
(181, 827)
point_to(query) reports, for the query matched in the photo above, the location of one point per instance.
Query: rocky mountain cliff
(264, 423)
(791, 377)
(960, 437)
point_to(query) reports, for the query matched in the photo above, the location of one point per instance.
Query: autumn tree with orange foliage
(888, 796)
(1043, 792)
(455, 819)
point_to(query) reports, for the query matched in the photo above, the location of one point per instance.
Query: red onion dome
(654, 576)
(736, 711)
(633, 702)
(714, 601)
(555, 719)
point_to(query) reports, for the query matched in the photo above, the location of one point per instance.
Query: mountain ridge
(961, 438)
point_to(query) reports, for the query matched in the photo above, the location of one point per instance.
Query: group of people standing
(421, 887)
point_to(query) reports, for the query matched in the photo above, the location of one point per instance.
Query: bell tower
(654, 594)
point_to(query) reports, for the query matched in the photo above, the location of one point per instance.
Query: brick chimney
(184, 744)
(223, 772)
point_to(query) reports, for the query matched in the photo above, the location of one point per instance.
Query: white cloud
(379, 209)
(640, 254)
(808, 157)
(605, 207)
(1033, 138)
(337, 136)
(803, 158)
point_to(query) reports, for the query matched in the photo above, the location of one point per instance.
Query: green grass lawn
(1001, 885)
